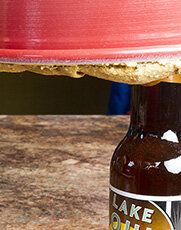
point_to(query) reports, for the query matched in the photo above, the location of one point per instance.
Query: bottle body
(145, 173)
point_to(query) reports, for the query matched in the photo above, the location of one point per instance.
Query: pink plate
(82, 31)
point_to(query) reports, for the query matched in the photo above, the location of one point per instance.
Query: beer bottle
(145, 172)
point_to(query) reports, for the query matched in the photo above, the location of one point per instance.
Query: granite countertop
(54, 171)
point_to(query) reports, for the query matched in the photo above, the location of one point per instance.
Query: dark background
(29, 93)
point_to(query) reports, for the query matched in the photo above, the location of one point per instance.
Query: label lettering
(147, 215)
(134, 211)
(123, 208)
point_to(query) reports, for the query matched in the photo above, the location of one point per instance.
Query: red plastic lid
(82, 31)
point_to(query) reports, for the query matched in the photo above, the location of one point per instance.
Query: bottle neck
(156, 109)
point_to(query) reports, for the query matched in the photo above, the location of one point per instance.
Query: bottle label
(130, 211)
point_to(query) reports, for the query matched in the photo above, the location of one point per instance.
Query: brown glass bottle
(147, 162)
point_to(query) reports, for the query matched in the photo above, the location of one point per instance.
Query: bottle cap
(176, 78)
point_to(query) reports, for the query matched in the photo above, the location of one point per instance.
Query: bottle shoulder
(151, 151)
(147, 160)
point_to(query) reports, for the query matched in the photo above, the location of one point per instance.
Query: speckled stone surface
(54, 171)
